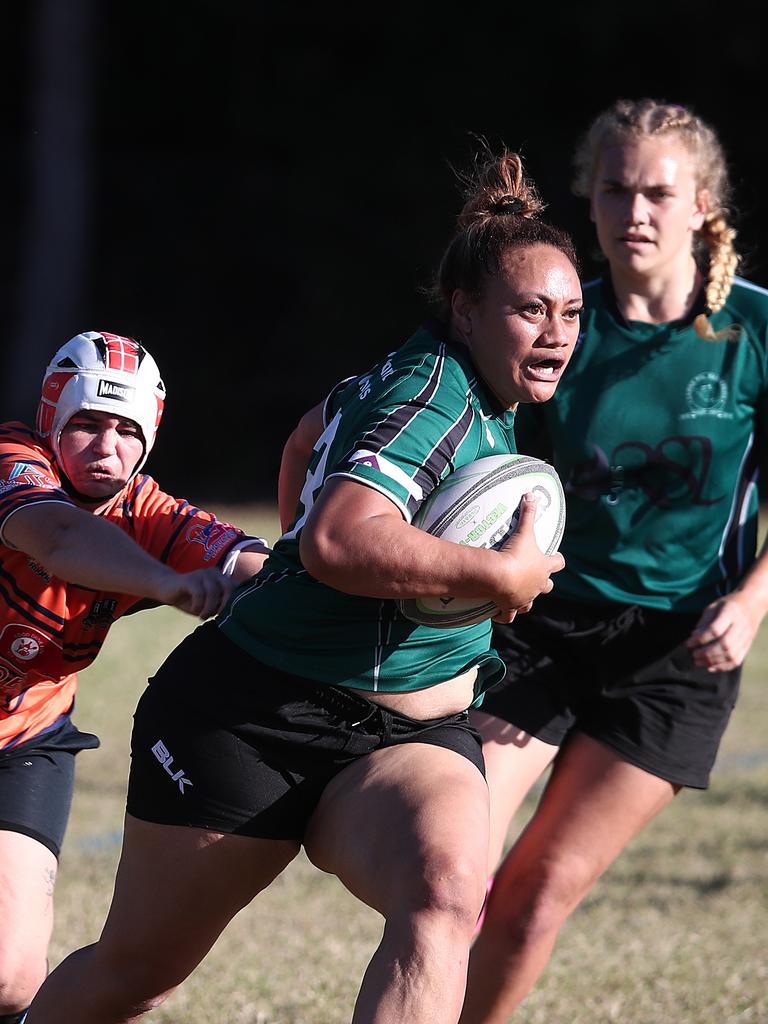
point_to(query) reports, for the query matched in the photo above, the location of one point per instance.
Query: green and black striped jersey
(658, 436)
(400, 428)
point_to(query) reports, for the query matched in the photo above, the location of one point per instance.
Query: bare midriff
(436, 701)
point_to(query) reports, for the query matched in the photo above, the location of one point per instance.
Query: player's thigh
(593, 804)
(178, 887)
(514, 760)
(390, 823)
(27, 877)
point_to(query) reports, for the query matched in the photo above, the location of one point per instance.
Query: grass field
(675, 933)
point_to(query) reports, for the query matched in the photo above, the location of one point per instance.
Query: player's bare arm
(357, 541)
(76, 546)
(294, 462)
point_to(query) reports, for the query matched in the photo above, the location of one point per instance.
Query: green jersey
(658, 436)
(400, 428)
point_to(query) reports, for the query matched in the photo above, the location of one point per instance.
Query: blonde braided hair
(714, 241)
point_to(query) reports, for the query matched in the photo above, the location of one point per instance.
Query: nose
(637, 211)
(105, 443)
(556, 334)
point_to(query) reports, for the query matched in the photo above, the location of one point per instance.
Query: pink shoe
(481, 916)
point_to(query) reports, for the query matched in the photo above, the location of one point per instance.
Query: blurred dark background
(259, 191)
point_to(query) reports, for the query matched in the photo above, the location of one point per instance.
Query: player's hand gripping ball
(479, 505)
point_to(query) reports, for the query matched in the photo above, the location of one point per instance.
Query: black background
(261, 190)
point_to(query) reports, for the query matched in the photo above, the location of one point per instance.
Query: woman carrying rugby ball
(311, 712)
(631, 669)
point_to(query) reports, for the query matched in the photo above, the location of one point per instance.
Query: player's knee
(451, 888)
(20, 978)
(534, 901)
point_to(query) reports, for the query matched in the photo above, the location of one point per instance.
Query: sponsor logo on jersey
(706, 395)
(165, 758)
(39, 570)
(102, 613)
(214, 537)
(24, 474)
(11, 684)
(112, 389)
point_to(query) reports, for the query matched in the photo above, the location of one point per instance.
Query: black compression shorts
(224, 742)
(620, 674)
(36, 783)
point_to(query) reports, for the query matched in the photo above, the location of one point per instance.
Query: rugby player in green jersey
(312, 712)
(630, 669)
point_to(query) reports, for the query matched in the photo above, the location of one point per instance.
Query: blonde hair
(501, 212)
(714, 242)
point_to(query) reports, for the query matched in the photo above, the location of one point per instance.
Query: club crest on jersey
(112, 389)
(214, 537)
(20, 644)
(706, 395)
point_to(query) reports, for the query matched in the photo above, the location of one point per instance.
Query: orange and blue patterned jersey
(49, 629)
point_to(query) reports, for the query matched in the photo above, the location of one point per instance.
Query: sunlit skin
(522, 330)
(99, 452)
(646, 207)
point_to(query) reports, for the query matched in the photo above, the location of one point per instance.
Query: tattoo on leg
(50, 882)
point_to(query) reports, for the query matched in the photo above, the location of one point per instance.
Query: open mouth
(546, 369)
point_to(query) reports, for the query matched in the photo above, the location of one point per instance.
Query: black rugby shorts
(620, 674)
(224, 742)
(36, 783)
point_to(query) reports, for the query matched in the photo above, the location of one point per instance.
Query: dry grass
(675, 933)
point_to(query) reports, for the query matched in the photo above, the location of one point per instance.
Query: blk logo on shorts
(165, 758)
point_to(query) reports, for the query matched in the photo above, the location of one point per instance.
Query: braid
(723, 260)
(713, 243)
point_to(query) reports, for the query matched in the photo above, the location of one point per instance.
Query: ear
(701, 208)
(461, 312)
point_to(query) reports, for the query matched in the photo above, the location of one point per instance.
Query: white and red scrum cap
(107, 373)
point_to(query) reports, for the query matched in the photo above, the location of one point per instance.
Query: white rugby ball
(479, 505)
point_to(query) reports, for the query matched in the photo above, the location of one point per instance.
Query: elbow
(318, 554)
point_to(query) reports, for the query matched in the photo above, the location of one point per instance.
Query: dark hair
(500, 213)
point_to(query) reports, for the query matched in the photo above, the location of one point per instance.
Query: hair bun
(507, 204)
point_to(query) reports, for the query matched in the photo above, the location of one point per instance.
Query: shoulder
(24, 459)
(426, 366)
(17, 437)
(748, 302)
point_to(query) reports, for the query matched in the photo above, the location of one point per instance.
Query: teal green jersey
(400, 428)
(658, 436)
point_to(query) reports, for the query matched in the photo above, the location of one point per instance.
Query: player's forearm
(81, 548)
(387, 558)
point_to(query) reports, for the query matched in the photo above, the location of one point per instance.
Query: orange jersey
(49, 628)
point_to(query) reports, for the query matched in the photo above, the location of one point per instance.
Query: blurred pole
(52, 282)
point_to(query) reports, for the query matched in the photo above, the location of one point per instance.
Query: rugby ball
(479, 505)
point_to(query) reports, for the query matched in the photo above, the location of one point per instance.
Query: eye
(534, 308)
(574, 314)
